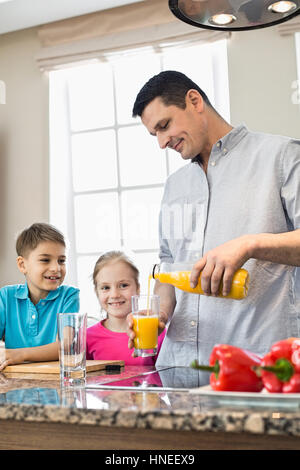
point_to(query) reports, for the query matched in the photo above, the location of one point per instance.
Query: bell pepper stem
(215, 368)
(282, 368)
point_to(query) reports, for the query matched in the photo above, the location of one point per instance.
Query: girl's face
(115, 285)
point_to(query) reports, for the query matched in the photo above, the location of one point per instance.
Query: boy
(28, 311)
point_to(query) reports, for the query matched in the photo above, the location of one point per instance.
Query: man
(240, 195)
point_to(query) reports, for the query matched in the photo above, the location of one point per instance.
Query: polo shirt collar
(22, 292)
(53, 294)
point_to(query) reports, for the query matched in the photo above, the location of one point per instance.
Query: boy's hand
(10, 356)
(161, 326)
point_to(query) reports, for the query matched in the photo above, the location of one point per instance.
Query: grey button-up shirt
(252, 185)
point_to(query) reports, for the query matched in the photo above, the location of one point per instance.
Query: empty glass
(72, 347)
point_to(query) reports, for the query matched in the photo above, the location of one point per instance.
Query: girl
(116, 279)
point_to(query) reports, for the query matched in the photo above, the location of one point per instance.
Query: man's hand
(220, 264)
(161, 326)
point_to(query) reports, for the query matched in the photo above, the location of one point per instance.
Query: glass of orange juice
(145, 311)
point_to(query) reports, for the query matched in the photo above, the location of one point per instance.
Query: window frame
(62, 202)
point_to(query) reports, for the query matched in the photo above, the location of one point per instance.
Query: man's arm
(220, 263)
(47, 352)
(166, 293)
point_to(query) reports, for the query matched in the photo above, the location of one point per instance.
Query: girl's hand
(130, 331)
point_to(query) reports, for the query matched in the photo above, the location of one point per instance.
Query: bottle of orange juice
(178, 275)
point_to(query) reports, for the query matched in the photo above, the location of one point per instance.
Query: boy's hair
(171, 87)
(29, 238)
(114, 256)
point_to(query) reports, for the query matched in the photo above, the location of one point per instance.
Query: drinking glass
(72, 347)
(145, 311)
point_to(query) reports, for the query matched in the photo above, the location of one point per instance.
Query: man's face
(183, 130)
(192, 7)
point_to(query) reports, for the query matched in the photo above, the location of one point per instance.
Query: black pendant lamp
(234, 15)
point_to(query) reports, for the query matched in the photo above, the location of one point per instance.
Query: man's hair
(29, 238)
(170, 86)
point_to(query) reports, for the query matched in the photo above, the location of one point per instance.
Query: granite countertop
(41, 399)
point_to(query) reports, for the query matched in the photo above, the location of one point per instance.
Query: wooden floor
(20, 435)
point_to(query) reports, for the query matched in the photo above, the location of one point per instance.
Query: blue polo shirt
(24, 324)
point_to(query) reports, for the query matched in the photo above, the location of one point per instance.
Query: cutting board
(53, 367)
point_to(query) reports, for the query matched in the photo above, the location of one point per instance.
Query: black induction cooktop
(165, 378)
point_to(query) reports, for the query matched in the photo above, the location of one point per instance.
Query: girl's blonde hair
(110, 256)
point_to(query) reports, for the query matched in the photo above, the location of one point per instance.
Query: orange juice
(181, 280)
(146, 329)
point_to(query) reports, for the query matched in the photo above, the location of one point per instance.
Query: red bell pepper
(232, 369)
(280, 367)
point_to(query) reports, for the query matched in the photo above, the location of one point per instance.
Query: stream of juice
(148, 294)
(146, 328)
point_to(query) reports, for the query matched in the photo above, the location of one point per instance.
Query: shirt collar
(22, 292)
(233, 137)
(227, 142)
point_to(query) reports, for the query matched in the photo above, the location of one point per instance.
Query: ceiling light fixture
(234, 15)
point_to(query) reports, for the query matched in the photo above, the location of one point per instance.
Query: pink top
(106, 344)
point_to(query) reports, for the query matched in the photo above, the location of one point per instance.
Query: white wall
(23, 145)
(262, 69)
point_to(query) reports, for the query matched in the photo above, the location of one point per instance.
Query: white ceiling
(20, 14)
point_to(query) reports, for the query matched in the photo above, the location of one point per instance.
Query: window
(106, 172)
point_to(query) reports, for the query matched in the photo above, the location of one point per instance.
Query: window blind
(94, 36)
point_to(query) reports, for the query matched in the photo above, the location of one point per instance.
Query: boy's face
(44, 268)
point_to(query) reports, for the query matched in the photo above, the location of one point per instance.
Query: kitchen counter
(36, 413)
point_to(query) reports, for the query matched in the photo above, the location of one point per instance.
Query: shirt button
(225, 151)
(219, 144)
(193, 323)
(33, 316)
(213, 163)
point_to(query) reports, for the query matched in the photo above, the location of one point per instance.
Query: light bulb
(282, 7)
(222, 19)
